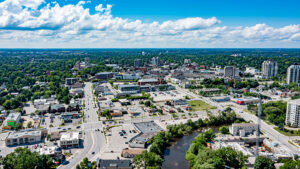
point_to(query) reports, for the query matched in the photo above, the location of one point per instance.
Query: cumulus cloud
(38, 21)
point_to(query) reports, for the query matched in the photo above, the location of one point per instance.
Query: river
(175, 154)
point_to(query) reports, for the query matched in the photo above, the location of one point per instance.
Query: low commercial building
(25, 137)
(221, 99)
(114, 164)
(12, 119)
(247, 100)
(69, 140)
(55, 135)
(71, 81)
(179, 102)
(129, 89)
(147, 131)
(53, 151)
(131, 153)
(127, 76)
(57, 108)
(104, 75)
(150, 82)
(243, 129)
(68, 116)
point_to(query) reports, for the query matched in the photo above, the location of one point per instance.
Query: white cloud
(32, 21)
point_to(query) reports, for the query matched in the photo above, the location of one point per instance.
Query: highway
(269, 130)
(93, 141)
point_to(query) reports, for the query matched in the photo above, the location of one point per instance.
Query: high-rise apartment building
(293, 113)
(138, 63)
(156, 61)
(269, 69)
(229, 71)
(293, 74)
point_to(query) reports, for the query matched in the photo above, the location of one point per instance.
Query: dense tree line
(200, 156)
(23, 158)
(154, 157)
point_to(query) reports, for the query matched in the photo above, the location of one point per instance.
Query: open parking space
(167, 95)
(118, 138)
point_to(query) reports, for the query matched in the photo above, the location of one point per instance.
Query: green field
(286, 133)
(199, 105)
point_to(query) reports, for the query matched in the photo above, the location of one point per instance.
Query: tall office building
(156, 61)
(229, 71)
(269, 69)
(138, 63)
(293, 74)
(293, 113)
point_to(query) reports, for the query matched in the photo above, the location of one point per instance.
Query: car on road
(64, 129)
(93, 152)
(69, 128)
(78, 127)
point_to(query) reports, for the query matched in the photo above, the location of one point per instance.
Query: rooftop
(69, 136)
(103, 163)
(243, 124)
(148, 80)
(13, 116)
(148, 127)
(36, 133)
(297, 101)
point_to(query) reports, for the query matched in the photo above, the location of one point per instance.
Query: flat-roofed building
(243, 129)
(150, 81)
(129, 89)
(25, 137)
(71, 81)
(69, 140)
(12, 119)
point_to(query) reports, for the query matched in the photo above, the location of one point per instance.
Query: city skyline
(155, 24)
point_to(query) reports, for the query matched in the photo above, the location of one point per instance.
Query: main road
(269, 130)
(93, 141)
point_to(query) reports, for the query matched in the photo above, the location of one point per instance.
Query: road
(94, 141)
(269, 130)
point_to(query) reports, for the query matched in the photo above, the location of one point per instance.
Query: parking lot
(167, 95)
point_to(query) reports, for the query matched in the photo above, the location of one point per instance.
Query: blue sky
(155, 23)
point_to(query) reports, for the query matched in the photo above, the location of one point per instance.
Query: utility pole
(258, 126)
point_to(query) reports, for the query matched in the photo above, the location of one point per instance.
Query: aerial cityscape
(148, 85)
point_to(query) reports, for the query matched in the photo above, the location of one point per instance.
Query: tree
(147, 159)
(147, 103)
(224, 130)
(23, 158)
(290, 164)
(231, 157)
(18, 126)
(29, 124)
(262, 162)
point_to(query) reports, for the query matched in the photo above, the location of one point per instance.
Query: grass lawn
(199, 105)
(286, 133)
